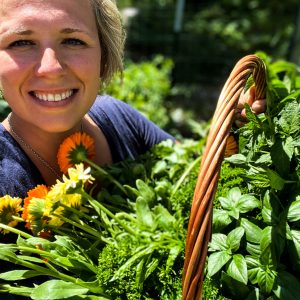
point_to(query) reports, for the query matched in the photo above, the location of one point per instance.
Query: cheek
(87, 66)
(87, 69)
(11, 68)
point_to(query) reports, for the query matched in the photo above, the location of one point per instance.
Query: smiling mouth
(53, 97)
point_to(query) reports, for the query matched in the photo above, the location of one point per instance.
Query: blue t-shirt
(128, 133)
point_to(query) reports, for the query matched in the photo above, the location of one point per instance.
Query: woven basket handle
(200, 222)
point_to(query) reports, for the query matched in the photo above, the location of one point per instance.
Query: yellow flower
(40, 192)
(38, 209)
(74, 150)
(72, 200)
(56, 220)
(9, 207)
(79, 174)
(231, 146)
(38, 214)
(44, 207)
(58, 190)
(76, 180)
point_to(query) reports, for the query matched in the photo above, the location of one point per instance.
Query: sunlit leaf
(237, 268)
(57, 289)
(216, 261)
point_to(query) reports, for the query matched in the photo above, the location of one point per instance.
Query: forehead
(29, 12)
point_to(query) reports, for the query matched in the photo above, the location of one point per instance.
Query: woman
(54, 55)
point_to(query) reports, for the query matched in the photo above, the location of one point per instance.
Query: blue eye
(21, 43)
(74, 42)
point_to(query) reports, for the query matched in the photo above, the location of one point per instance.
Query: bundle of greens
(255, 247)
(123, 240)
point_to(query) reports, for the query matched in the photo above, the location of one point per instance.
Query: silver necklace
(41, 159)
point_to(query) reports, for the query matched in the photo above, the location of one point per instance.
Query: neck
(40, 146)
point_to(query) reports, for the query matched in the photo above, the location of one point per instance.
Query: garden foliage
(125, 239)
(255, 248)
(145, 86)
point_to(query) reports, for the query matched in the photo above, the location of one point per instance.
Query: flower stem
(99, 206)
(70, 232)
(190, 167)
(81, 214)
(16, 231)
(19, 219)
(52, 258)
(106, 174)
(84, 227)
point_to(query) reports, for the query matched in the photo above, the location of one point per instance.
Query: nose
(49, 64)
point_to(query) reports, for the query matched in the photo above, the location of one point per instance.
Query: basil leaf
(293, 248)
(146, 192)
(216, 261)
(265, 245)
(234, 238)
(253, 249)
(266, 279)
(237, 159)
(247, 203)
(220, 219)
(294, 211)
(254, 268)
(237, 268)
(225, 203)
(253, 232)
(218, 242)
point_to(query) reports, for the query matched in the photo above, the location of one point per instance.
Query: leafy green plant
(145, 86)
(234, 23)
(255, 244)
(124, 243)
(232, 207)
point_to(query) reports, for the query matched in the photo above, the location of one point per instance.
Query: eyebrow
(65, 30)
(71, 30)
(23, 32)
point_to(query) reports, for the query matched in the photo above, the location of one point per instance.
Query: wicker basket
(200, 222)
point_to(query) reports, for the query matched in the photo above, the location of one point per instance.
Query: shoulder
(126, 129)
(17, 172)
(107, 104)
(117, 114)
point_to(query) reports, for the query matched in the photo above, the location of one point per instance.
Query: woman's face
(49, 61)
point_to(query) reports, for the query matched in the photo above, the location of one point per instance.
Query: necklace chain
(36, 154)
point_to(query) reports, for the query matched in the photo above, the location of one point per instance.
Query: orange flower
(39, 192)
(74, 150)
(231, 146)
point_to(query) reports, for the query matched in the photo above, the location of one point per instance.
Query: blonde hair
(111, 35)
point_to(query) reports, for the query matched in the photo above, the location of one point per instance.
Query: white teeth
(57, 97)
(53, 97)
